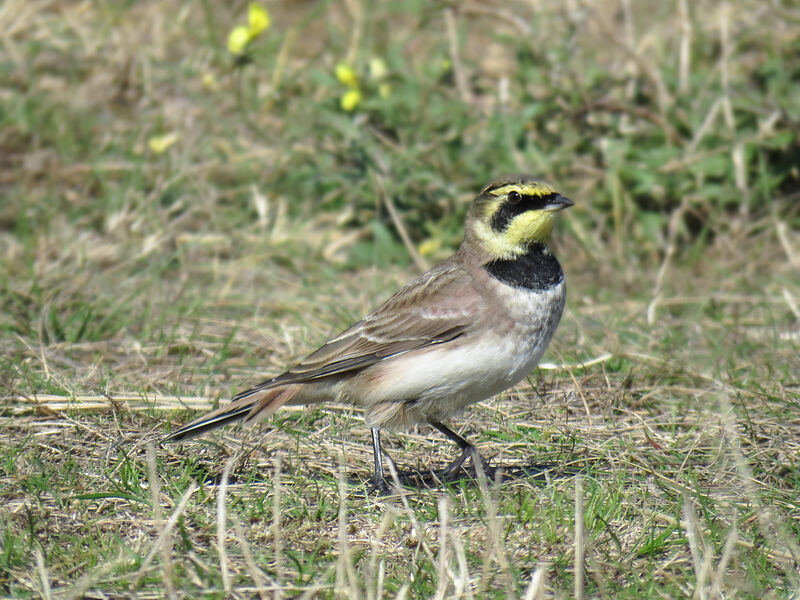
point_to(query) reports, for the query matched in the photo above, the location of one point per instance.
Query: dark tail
(250, 406)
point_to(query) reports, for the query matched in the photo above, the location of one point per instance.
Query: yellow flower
(350, 99)
(347, 76)
(377, 68)
(429, 247)
(257, 19)
(238, 39)
(161, 143)
(384, 89)
(210, 82)
(257, 22)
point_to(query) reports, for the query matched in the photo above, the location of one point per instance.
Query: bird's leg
(467, 450)
(378, 480)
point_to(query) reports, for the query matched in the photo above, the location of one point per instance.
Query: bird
(471, 327)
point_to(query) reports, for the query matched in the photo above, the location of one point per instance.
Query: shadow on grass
(427, 479)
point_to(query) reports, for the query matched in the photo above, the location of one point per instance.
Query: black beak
(558, 202)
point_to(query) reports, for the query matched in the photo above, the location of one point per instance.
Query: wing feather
(436, 308)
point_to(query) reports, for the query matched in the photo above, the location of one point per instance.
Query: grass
(141, 284)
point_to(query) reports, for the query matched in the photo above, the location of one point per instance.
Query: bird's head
(512, 213)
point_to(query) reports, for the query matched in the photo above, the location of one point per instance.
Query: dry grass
(694, 465)
(139, 287)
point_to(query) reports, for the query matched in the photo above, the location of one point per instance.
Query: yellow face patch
(530, 227)
(522, 229)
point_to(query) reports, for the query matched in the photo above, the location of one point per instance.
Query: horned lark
(467, 329)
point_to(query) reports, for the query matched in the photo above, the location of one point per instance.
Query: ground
(178, 223)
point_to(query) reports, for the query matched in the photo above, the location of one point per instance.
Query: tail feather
(249, 406)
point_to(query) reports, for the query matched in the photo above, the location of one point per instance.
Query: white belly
(433, 383)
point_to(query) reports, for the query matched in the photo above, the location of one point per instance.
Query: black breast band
(536, 270)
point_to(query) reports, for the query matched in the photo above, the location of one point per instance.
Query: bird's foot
(455, 471)
(380, 487)
(488, 471)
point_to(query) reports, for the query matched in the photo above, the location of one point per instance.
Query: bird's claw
(455, 470)
(379, 486)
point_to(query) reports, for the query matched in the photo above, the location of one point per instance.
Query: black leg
(452, 435)
(451, 471)
(378, 480)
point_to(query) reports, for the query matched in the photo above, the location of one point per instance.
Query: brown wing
(434, 309)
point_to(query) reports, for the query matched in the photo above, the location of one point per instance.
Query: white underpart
(440, 380)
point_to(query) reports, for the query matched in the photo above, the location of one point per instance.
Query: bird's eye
(514, 197)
